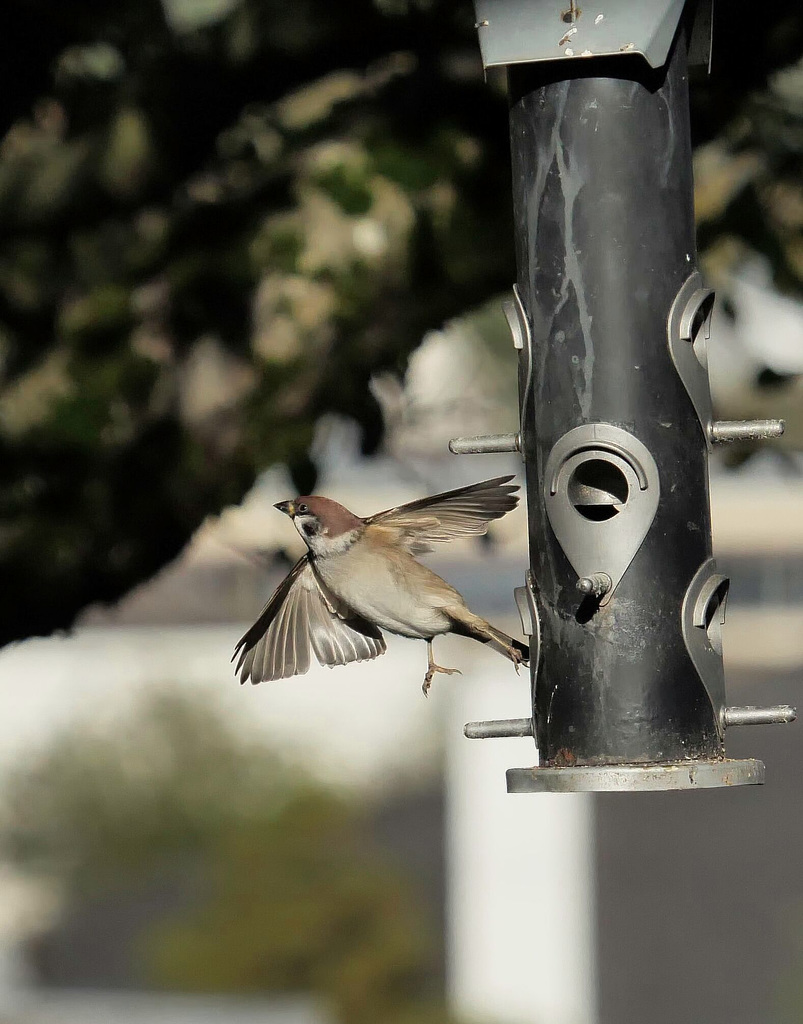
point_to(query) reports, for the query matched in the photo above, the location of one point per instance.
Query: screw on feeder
(572, 14)
(595, 585)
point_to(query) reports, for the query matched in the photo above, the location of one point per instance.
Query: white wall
(521, 886)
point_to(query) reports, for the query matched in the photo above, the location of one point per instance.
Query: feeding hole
(715, 615)
(596, 489)
(701, 332)
(696, 323)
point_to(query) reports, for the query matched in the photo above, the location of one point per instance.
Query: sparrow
(360, 576)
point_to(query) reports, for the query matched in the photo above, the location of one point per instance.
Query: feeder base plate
(632, 778)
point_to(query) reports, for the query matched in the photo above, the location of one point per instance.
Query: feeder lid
(521, 31)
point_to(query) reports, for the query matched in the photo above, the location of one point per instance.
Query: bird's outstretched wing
(441, 517)
(301, 615)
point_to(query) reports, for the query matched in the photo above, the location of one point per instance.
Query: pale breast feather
(384, 584)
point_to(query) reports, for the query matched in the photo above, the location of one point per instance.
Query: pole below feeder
(623, 602)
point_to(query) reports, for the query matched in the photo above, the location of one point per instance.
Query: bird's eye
(302, 508)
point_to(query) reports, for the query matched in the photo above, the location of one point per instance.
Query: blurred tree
(219, 219)
(296, 906)
(286, 892)
(105, 803)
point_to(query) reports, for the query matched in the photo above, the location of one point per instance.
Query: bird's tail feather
(468, 624)
(502, 642)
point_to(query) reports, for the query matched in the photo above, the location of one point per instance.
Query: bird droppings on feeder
(567, 35)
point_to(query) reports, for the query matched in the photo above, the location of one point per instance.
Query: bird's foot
(431, 673)
(516, 657)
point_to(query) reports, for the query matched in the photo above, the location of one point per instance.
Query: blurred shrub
(287, 894)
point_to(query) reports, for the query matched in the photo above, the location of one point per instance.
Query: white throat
(322, 545)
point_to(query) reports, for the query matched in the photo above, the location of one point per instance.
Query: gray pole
(624, 597)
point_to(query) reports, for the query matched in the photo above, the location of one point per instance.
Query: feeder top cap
(523, 31)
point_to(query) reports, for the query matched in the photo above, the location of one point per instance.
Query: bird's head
(326, 526)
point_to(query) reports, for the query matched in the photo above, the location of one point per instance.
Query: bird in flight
(360, 576)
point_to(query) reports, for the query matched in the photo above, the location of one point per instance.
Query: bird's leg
(432, 668)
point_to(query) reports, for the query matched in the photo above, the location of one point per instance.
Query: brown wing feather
(300, 616)
(463, 512)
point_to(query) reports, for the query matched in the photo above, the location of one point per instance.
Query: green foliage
(253, 202)
(347, 187)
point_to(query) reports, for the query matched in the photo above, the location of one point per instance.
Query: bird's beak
(288, 507)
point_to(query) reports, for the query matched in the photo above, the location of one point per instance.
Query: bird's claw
(431, 674)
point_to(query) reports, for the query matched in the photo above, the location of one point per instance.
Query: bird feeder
(624, 602)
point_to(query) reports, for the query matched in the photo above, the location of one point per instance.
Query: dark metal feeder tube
(624, 603)
(603, 206)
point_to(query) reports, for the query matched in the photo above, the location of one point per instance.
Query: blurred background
(248, 249)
